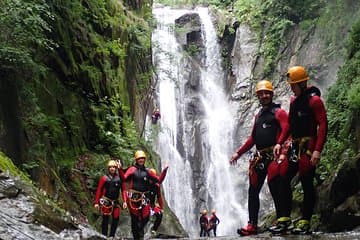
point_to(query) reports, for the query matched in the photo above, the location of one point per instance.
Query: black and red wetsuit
(213, 222)
(108, 191)
(140, 180)
(308, 129)
(204, 221)
(155, 195)
(270, 128)
(155, 116)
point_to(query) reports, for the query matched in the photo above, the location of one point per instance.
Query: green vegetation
(192, 49)
(7, 166)
(343, 103)
(24, 24)
(218, 3)
(272, 19)
(76, 72)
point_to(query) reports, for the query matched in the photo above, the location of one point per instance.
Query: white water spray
(223, 193)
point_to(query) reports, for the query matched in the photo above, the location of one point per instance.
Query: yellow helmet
(264, 85)
(139, 154)
(204, 211)
(153, 171)
(112, 163)
(297, 74)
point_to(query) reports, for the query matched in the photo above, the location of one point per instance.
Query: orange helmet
(297, 74)
(264, 85)
(139, 154)
(112, 163)
(153, 171)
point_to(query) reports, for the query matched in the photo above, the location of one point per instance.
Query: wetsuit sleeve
(282, 117)
(129, 172)
(246, 146)
(159, 197)
(319, 111)
(100, 189)
(163, 175)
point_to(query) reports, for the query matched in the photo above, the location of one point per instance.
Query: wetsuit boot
(302, 227)
(250, 229)
(282, 225)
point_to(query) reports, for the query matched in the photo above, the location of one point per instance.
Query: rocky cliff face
(190, 37)
(90, 93)
(317, 50)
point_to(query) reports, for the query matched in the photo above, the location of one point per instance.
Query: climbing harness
(137, 198)
(299, 146)
(107, 205)
(261, 159)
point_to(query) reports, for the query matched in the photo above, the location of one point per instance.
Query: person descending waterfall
(213, 222)
(268, 134)
(107, 197)
(204, 222)
(139, 180)
(155, 194)
(308, 130)
(155, 116)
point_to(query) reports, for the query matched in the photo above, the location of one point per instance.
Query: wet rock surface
(20, 215)
(20, 211)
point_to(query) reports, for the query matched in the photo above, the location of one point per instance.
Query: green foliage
(247, 11)
(343, 103)
(6, 165)
(192, 49)
(354, 43)
(24, 26)
(79, 66)
(221, 3)
(272, 19)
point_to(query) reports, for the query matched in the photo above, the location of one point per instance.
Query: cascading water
(220, 181)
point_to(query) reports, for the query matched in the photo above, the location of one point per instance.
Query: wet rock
(26, 213)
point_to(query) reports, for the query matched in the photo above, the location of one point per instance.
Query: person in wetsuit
(204, 222)
(139, 180)
(268, 134)
(213, 222)
(156, 201)
(107, 198)
(308, 130)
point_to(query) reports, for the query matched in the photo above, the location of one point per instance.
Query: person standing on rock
(107, 198)
(308, 130)
(204, 222)
(139, 180)
(213, 222)
(268, 134)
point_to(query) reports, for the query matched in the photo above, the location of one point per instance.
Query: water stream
(220, 181)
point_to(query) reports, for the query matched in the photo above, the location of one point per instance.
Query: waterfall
(223, 184)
